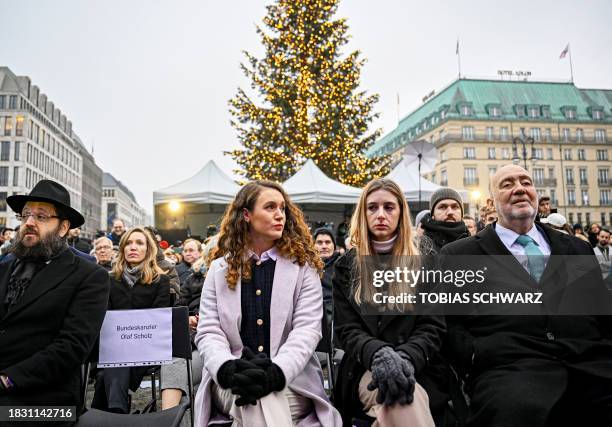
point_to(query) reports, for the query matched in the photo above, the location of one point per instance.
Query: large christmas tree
(308, 104)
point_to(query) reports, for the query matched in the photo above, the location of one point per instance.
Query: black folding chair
(168, 418)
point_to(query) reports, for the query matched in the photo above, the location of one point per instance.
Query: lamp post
(524, 140)
(174, 207)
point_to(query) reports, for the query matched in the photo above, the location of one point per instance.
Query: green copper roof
(514, 98)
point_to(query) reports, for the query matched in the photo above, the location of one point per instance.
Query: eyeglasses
(37, 217)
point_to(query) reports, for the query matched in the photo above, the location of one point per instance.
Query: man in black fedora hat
(52, 303)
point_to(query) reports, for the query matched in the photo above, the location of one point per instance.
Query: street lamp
(524, 140)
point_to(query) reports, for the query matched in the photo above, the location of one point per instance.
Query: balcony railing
(604, 183)
(546, 182)
(480, 137)
(470, 181)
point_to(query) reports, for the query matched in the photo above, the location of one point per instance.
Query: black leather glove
(241, 372)
(391, 375)
(274, 379)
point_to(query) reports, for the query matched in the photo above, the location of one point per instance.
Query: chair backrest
(181, 342)
(168, 418)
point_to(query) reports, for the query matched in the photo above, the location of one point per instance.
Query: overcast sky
(147, 81)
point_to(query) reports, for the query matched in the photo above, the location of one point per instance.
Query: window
(469, 153)
(583, 176)
(503, 134)
(491, 152)
(538, 153)
(13, 102)
(549, 153)
(567, 154)
(569, 176)
(600, 135)
(604, 198)
(570, 113)
(553, 197)
(588, 217)
(5, 150)
(17, 150)
(520, 110)
(495, 111)
(536, 134)
(4, 170)
(551, 173)
(433, 177)
(581, 155)
(585, 197)
(442, 136)
(548, 135)
(467, 133)
(579, 135)
(534, 112)
(538, 176)
(566, 135)
(16, 176)
(546, 111)
(8, 126)
(19, 126)
(505, 153)
(466, 110)
(571, 197)
(442, 156)
(443, 178)
(492, 170)
(469, 176)
(2, 102)
(571, 217)
(579, 214)
(603, 218)
(597, 115)
(603, 176)
(602, 155)
(490, 133)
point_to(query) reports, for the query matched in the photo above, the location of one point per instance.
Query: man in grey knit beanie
(446, 197)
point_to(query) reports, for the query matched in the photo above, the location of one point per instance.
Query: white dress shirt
(508, 238)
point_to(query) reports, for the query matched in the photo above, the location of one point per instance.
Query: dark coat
(81, 244)
(326, 282)
(191, 291)
(487, 341)
(46, 337)
(183, 271)
(362, 335)
(124, 297)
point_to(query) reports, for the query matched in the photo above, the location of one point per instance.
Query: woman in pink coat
(260, 318)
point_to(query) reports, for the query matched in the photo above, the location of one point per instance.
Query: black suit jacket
(485, 339)
(50, 332)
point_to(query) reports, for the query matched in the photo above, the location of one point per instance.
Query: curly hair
(295, 242)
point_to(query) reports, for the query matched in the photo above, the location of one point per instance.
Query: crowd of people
(261, 289)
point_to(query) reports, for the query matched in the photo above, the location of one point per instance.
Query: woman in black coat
(386, 355)
(137, 282)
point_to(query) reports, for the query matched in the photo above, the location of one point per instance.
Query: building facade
(562, 134)
(36, 142)
(91, 191)
(119, 202)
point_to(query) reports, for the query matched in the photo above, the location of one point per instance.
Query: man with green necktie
(549, 366)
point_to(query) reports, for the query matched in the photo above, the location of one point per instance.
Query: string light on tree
(308, 105)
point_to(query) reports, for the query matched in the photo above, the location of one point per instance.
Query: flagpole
(569, 50)
(458, 58)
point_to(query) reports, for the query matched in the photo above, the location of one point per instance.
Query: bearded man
(52, 304)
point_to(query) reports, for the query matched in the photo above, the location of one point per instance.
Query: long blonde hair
(295, 243)
(150, 270)
(402, 253)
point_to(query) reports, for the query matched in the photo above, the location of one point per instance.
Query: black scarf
(23, 271)
(442, 233)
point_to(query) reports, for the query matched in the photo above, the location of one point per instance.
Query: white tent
(407, 177)
(209, 185)
(311, 185)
